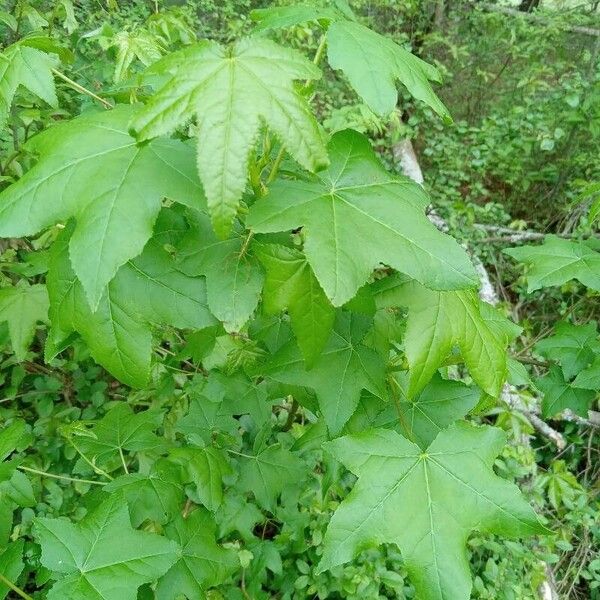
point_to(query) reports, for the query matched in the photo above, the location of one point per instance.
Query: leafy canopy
(425, 502)
(355, 216)
(215, 84)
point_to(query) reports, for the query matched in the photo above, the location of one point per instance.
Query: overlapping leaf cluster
(322, 290)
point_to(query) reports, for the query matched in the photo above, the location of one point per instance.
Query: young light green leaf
(444, 493)
(372, 64)
(573, 346)
(23, 65)
(90, 168)
(268, 473)
(559, 394)
(439, 321)
(214, 83)
(291, 285)
(202, 563)
(102, 556)
(23, 307)
(355, 216)
(440, 404)
(557, 261)
(338, 376)
(234, 278)
(149, 289)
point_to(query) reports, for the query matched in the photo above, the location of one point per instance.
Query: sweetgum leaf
(233, 281)
(573, 346)
(202, 563)
(440, 404)
(22, 307)
(23, 65)
(557, 261)
(342, 371)
(215, 84)
(101, 557)
(147, 290)
(291, 285)
(121, 430)
(280, 17)
(90, 168)
(268, 473)
(559, 394)
(373, 63)
(427, 503)
(439, 321)
(355, 216)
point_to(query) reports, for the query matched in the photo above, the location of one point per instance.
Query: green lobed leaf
(11, 565)
(573, 346)
(90, 168)
(23, 306)
(101, 557)
(280, 17)
(443, 493)
(559, 394)
(440, 404)
(22, 65)
(214, 83)
(338, 376)
(202, 563)
(356, 216)
(291, 285)
(558, 261)
(439, 321)
(234, 279)
(268, 473)
(589, 378)
(147, 290)
(373, 63)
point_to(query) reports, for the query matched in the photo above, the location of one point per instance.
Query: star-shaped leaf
(291, 285)
(342, 371)
(573, 346)
(22, 65)
(440, 404)
(215, 83)
(355, 216)
(557, 261)
(121, 430)
(102, 557)
(559, 394)
(439, 321)
(90, 168)
(234, 279)
(157, 496)
(425, 502)
(202, 563)
(268, 473)
(23, 307)
(147, 290)
(373, 63)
